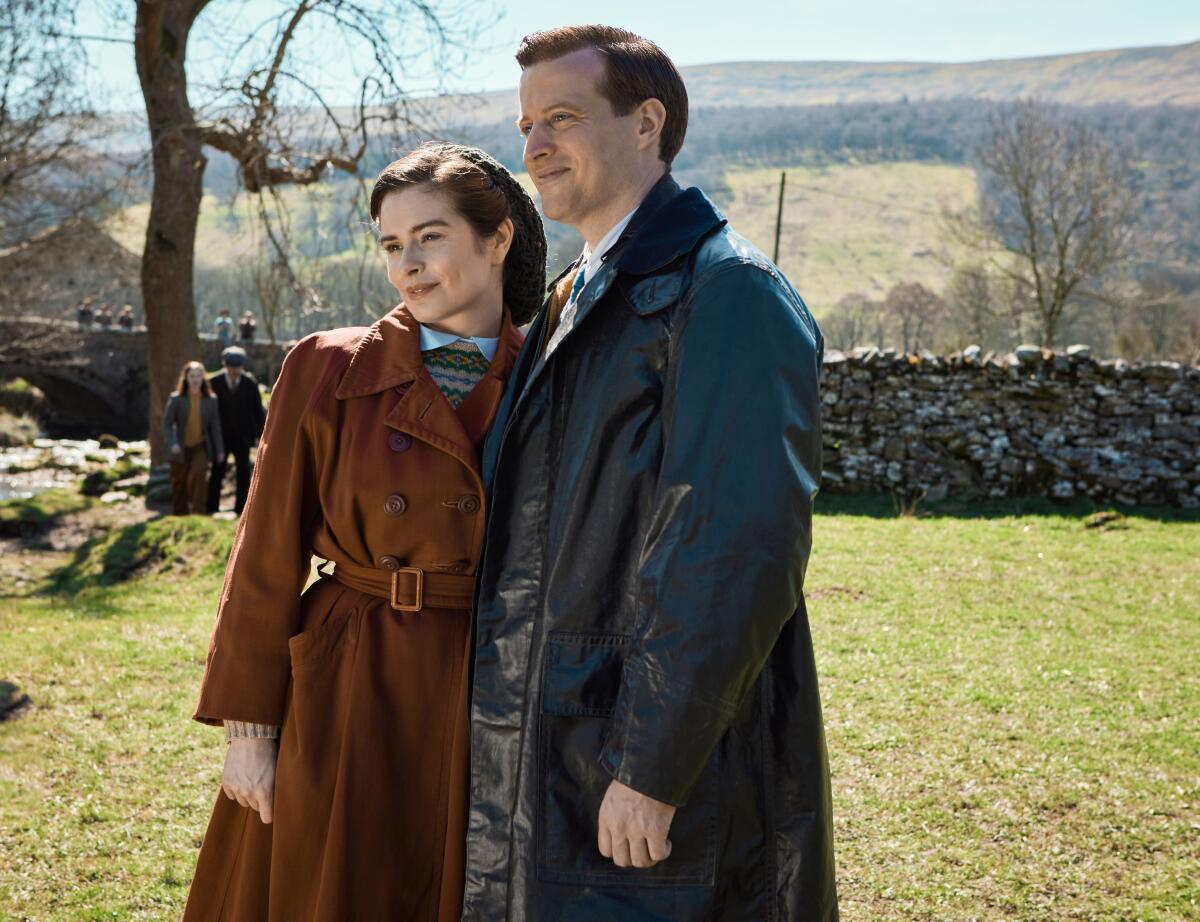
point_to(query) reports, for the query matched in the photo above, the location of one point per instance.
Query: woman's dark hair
(182, 388)
(635, 69)
(484, 193)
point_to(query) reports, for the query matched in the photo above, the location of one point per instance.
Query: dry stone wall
(1030, 423)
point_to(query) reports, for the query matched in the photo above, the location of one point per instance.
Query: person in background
(192, 432)
(248, 327)
(242, 420)
(104, 317)
(224, 327)
(84, 314)
(125, 319)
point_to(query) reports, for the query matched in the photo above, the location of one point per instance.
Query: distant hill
(1135, 76)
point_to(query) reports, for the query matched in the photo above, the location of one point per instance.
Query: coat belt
(407, 588)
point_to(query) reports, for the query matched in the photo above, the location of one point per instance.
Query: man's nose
(537, 144)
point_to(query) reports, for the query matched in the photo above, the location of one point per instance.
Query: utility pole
(779, 215)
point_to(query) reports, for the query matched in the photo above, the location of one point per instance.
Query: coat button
(388, 562)
(399, 441)
(468, 504)
(395, 504)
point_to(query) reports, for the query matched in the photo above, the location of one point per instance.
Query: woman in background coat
(192, 431)
(345, 782)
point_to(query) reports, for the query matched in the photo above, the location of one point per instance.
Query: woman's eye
(392, 248)
(427, 237)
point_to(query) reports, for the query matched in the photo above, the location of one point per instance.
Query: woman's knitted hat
(525, 265)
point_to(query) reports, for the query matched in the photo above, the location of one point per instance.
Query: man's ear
(651, 118)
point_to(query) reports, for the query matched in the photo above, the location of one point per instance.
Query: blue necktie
(566, 319)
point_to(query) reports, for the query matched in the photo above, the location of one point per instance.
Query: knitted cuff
(240, 730)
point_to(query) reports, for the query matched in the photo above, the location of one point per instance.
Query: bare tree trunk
(160, 43)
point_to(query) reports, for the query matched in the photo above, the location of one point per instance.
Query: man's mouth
(550, 175)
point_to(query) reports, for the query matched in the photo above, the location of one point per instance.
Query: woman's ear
(500, 242)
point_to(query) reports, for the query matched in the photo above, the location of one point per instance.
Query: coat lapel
(389, 356)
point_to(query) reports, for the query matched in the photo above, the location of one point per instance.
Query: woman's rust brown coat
(363, 462)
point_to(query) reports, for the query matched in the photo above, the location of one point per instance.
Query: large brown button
(399, 441)
(388, 562)
(468, 504)
(395, 504)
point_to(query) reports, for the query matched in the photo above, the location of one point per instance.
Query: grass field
(1012, 707)
(853, 228)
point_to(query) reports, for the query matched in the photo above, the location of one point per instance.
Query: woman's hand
(176, 449)
(220, 457)
(249, 775)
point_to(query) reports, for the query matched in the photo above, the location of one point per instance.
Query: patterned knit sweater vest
(456, 368)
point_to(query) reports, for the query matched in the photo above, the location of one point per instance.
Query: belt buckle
(395, 599)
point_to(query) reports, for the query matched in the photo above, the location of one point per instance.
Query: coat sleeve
(248, 666)
(722, 567)
(170, 426)
(214, 428)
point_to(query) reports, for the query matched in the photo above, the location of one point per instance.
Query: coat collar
(668, 224)
(389, 356)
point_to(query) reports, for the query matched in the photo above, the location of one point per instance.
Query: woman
(345, 780)
(192, 431)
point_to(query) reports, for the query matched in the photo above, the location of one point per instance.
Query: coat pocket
(580, 683)
(323, 640)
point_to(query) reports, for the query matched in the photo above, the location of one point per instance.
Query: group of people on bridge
(87, 316)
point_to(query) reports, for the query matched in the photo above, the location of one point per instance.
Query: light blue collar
(435, 339)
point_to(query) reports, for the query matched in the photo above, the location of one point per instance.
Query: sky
(705, 32)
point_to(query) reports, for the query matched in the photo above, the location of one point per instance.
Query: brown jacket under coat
(363, 462)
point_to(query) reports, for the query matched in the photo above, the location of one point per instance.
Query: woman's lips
(419, 291)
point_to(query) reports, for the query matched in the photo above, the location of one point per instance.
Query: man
(646, 729)
(242, 418)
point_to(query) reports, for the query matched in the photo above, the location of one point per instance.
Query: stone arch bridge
(96, 380)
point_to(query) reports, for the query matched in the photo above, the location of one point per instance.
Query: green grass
(23, 517)
(1012, 708)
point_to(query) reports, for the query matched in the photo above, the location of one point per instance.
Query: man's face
(234, 371)
(578, 153)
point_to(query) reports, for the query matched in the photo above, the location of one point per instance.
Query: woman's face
(195, 378)
(448, 276)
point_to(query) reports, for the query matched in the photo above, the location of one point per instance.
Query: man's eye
(524, 129)
(560, 117)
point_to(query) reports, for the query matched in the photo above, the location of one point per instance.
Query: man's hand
(249, 775)
(633, 828)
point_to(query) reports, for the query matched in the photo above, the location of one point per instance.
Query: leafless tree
(916, 311)
(272, 119)
(45, 121)
(1058, 209)
(851, 322)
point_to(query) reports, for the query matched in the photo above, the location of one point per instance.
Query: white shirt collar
(592, 259)
(435, 339)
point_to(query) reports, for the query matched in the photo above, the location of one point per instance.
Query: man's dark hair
(635, 69)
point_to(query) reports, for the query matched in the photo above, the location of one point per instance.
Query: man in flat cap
(242, 418)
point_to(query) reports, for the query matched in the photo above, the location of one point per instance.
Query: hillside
(1134, 76)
